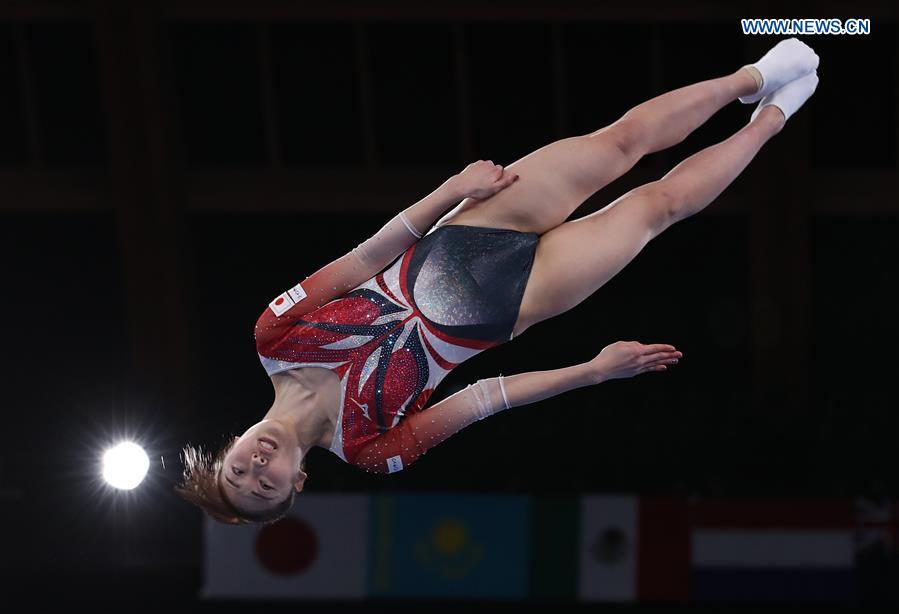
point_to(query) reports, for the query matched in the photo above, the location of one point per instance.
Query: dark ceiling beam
(780, 253)
(647, 10)
(140, 188)
(849, 192)
(44, 9)
(70, 189)
(651, 10)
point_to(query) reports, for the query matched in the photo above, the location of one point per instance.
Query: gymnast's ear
(301, 480)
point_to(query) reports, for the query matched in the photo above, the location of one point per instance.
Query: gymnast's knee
(628, 135)
(661, 202)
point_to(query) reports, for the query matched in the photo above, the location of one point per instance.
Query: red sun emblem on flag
(288, 547)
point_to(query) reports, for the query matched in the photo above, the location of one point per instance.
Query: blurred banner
(450, 545)
(320, 550)
(608, 555)
(592, 548)
(773, 551)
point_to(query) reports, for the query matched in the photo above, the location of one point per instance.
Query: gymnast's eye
(236, 471)
(266, 486)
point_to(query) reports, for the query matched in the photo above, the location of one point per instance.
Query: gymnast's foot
(784, 62)
(790, 97)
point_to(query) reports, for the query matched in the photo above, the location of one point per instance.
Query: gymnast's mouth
(267, 445)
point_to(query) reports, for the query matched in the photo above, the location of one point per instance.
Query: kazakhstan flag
(449, 545)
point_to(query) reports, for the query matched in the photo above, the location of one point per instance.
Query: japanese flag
(318, 550)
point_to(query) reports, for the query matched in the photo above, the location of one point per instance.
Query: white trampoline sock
(787, 60)
(791, 96)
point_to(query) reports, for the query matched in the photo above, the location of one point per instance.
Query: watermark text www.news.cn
(808, 26)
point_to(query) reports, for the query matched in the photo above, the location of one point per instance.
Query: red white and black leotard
(392, 339)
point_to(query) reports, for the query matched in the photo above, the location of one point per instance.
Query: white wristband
(503, 390)
(389, 242)
(486, 397)
(409, 225)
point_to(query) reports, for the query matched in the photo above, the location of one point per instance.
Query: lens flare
(125, 465)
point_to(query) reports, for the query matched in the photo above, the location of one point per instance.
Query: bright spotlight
(125, 465)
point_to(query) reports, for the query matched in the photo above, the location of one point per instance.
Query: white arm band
(487, 397)
(409, 225)
(394, 238)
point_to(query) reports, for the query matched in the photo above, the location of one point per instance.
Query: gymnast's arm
(416, 434)
(378, 251)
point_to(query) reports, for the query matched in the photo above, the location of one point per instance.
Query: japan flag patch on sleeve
(286, 300)
(281, 304)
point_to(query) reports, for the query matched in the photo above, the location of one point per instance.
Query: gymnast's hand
(624, 359)
(482, 179)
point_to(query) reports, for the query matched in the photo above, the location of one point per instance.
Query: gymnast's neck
(307, 399)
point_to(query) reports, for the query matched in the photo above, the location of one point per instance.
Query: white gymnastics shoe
(787, 60)
(791, 96)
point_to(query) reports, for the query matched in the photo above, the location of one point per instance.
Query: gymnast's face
(262, 467)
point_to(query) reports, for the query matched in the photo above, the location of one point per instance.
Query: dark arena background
(167, 168)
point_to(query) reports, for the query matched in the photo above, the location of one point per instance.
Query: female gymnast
(355, 350)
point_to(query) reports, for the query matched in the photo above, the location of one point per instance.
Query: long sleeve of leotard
(406, 442)
(416, 434)
(336, 278)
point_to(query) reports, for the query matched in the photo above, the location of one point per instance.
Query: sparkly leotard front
(392, 339)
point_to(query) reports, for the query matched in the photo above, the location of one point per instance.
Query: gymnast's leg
(557, 178)
(576, 258)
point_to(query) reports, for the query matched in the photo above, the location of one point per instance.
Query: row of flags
(603, 548)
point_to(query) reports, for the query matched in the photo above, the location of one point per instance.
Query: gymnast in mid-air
(355, 350)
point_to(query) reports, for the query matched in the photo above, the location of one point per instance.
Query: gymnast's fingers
(650, 369)
(658, 347)
(667, 360)
(508, 178)
(662, 356)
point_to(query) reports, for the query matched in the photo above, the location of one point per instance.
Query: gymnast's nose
(259, 459)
